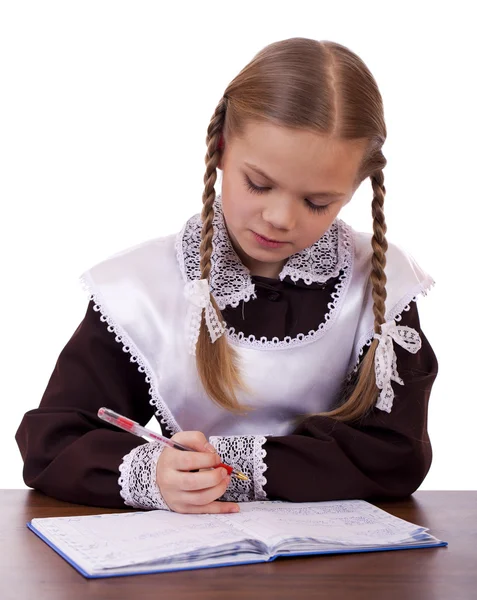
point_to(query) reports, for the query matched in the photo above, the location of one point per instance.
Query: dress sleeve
(383, 455)
(68, 452)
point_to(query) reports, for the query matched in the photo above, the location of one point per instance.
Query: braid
(380, 246)
(212, 157)
(216, 362)
(363, 391)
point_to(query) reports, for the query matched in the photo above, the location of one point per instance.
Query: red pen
(128, 425)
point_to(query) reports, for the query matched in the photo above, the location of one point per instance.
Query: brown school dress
(72, 455)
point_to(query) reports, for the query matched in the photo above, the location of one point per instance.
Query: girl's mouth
(266, 242)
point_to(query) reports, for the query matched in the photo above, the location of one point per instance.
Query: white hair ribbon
(197, 293)
(385, 361)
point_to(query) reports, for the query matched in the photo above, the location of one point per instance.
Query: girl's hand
(186, 492)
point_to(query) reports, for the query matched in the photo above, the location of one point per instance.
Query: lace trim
(396, 315)
(322, 261)
(338, 295)
(138, 477)
(245, 453)
(162, 411)
(230, 281)
(385, 361)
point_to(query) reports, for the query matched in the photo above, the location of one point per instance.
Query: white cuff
(138, 477)
(244, 453)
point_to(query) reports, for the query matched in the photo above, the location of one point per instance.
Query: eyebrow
(320, 194)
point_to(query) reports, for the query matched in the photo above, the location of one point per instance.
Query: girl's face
(304, 180)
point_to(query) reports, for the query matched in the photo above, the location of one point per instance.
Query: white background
(104, 108)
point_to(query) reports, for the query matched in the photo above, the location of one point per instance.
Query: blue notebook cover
(222, 562)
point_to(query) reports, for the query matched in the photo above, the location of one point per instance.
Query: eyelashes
(255, 189)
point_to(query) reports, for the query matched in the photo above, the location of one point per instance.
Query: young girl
(267, 333)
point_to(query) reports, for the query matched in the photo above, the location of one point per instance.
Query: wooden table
(30, 570)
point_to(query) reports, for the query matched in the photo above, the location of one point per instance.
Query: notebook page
(106, 541)
(231, 559)
(345, 522)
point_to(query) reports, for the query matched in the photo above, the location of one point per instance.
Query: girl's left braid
(380, 246)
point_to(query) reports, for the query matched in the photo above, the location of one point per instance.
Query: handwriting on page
(111, 540)
(103, 542)
(342, 522)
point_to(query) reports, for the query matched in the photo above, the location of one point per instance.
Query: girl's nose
(280, 213)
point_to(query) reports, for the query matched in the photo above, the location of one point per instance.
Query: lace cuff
(138, 477)
(245, 453)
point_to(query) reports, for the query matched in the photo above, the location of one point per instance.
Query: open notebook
(130, 543)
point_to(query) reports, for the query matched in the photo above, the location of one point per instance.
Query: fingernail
(209, 448)
(235, 509)
(224, 473)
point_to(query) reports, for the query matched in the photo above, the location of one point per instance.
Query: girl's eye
(317, 208)
(255, 189)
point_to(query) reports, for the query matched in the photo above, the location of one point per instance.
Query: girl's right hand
(186, 492)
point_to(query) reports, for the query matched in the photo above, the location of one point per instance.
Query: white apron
(140, 293)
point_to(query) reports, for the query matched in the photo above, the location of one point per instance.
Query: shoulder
(160, 246)
(151, 258)
(135, 278)
(406, 280)
(402, 269)
(134, 285)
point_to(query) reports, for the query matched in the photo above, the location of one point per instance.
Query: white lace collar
(230, 281)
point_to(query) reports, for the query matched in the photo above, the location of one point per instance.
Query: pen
(122, 422)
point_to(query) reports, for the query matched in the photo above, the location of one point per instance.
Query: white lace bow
(197, 293)
(385, 360)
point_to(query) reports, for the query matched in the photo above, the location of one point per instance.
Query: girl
(267, 333)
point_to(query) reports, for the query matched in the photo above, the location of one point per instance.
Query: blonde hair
(319, 86)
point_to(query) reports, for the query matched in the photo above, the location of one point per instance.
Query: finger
(206, 496)
(199, 481)
(190, 461)
(211, 508)
(193, 439)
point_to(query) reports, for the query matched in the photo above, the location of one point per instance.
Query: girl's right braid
(217, 362)
(212, 157)
(380, 246)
